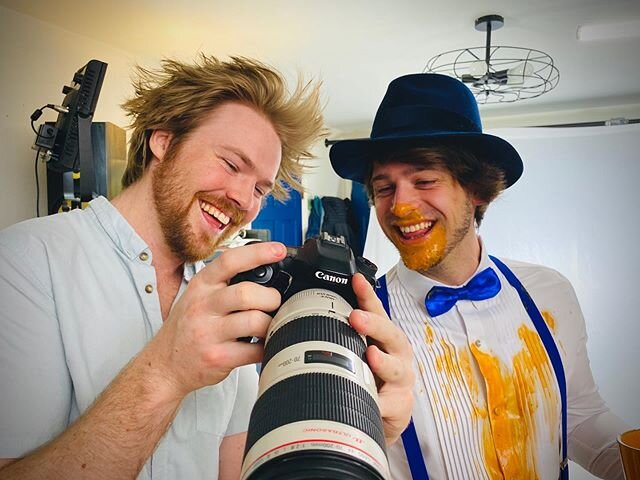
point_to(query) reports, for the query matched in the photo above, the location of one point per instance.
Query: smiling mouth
(216, 216)
(414, 231)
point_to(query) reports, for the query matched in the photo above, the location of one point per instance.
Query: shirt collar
(418, 285)
(123, 235)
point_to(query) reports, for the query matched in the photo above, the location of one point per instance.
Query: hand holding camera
(197, 344)
(318, 411)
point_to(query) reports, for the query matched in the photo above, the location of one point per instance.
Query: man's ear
(477, 203)
(159, 143)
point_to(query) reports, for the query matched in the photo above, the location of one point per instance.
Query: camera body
(323, 262)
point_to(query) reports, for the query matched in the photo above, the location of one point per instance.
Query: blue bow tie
(484, 285)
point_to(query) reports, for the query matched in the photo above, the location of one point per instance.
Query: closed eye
(425, 183)
(260, 192)
(230, 165)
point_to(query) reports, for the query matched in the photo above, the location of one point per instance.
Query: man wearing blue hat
(504, 385)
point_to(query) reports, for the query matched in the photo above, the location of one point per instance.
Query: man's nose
(240, 192)
(404, 202)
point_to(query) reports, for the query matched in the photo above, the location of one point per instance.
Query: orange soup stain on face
(423, 255)
(407, 212)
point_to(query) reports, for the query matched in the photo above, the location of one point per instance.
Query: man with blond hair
(118, 348)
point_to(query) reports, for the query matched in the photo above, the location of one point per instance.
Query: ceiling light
(608, 31)
(498, 74)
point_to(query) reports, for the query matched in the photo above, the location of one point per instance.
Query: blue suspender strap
(409, 436)
(414, 455)
(383, 294)
(550, 347)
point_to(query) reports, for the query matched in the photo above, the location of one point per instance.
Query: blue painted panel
(283, 220)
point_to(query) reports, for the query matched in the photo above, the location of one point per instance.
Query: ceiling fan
(498, 74)
(482, 72)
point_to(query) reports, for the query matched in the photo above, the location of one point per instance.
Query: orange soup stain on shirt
(428, 333)
(470, 382)
(510, 430)
(532, 362)
(549, 320)
(507, 416)
(491, 464)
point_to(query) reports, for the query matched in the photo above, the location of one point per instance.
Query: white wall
(37, 60)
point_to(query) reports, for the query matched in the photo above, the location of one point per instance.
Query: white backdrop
(575, 209)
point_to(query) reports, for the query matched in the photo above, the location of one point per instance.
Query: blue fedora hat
(420, 110)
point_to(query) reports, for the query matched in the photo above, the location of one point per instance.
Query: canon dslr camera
(317, 414)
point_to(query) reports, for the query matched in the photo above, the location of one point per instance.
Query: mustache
(226, 206)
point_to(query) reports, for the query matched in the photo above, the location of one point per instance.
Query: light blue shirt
(78, 300)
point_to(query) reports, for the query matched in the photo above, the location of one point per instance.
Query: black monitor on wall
(73, 135)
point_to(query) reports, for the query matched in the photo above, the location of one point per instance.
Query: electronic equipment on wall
(66, 145)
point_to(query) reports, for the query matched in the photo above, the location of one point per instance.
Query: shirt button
(497, 411)
(478, 343)
(144, 256)
(148, 288)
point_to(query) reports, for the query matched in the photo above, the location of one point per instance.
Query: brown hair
(178, 96)
(482, 180)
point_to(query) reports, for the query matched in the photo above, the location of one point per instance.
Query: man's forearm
(114, 437)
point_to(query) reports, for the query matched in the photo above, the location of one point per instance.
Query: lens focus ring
(314, 328)
(318, 396)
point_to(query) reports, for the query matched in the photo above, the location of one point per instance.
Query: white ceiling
(358, 46)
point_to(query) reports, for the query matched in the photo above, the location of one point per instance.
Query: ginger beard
(173, 203)
(428, 247)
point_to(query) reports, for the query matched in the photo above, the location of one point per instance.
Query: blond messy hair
(178, 96)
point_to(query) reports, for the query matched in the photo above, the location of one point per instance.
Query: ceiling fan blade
(500, 77)
(518, 74)
(477, 68)
(466, 78)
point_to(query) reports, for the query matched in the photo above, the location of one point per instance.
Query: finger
(388, 368)
(381, 330)
(240, 259)
(395, 419)
(367, 298)
(233, 354)
(251, 323)
(244, 296)
(395, 380)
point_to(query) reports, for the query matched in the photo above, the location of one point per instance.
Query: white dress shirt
(487, 403)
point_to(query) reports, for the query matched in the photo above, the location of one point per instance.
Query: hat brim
(351, 159)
